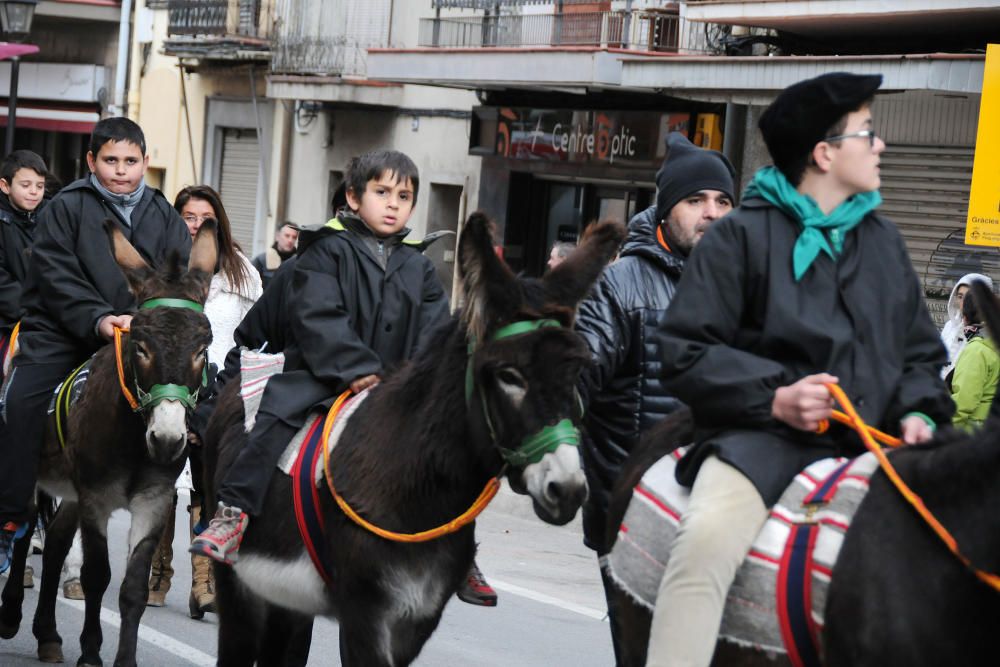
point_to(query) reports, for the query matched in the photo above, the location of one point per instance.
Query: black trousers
(286, 404)
(245, 483)
(26, 403)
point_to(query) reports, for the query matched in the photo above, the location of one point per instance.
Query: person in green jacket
(977, 372)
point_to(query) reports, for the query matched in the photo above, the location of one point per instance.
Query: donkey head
(165, 358)
(525, 361)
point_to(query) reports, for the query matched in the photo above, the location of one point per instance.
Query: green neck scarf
(771, 185)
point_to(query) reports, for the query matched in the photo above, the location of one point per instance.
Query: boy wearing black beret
(803, 284)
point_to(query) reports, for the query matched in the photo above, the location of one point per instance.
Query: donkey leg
(373, 634)
(283, 632)
(13, 592)
(299, 644)
(58, 540)
(240, 620)
(150, 510)
(632, 622)
(95, 575)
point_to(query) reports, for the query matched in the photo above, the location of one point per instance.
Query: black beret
(802, 114)
(688, 169)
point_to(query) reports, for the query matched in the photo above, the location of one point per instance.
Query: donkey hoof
(50, 652)
(8, 631)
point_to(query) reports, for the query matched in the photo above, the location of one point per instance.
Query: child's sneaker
(10, 532)
(221, 540)
(476, 591)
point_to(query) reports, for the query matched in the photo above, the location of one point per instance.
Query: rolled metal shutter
(238, 183)
(925, 191)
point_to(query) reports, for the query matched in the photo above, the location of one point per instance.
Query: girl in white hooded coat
(953, 334)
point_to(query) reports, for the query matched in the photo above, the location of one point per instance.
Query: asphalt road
(551, 609)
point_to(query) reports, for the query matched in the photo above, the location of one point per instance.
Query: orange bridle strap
(855, 422)
(467, 517)
(134, 404)
(12, 343)
(882, 437)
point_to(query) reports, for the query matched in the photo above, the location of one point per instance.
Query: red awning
(35, 116)
(9, 50)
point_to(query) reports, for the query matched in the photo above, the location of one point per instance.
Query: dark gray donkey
(497, 382)
(119, 455)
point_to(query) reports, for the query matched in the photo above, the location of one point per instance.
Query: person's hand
(804, 404)
(915, 430)
(193, 439)
(363, 382)
(106, 327)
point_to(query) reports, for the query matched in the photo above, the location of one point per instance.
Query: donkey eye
(142, 352)
(511, 378)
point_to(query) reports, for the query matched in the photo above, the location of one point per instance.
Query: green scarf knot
(771, 185)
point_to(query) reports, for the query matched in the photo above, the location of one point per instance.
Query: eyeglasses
(191, 218)
(869, 134)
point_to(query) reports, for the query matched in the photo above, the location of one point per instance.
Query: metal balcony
(646, 31)
(219, 29)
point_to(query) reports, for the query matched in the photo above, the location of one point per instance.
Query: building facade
(66, 87)
(553, 78)
(268, 100)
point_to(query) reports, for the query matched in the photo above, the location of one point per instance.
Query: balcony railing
(328, 38)
(222, 18)
(650, 31)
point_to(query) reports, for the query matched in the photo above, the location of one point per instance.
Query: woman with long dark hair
(234, 289)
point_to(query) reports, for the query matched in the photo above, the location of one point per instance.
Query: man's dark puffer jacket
(621, 387)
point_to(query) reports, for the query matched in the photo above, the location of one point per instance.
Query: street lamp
(15, 22)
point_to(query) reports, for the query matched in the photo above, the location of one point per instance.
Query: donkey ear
(205, 249)
(134, 267)
(491, 290)
(570, 282)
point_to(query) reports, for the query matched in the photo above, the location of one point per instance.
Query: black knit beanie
(688, 169)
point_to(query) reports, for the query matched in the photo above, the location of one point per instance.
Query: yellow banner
(982, 227)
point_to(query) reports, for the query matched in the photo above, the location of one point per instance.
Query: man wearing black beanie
(802, 286)
(620, 321)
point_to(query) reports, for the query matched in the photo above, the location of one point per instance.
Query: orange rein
(467, 517)
(868, 436)
(134, 404)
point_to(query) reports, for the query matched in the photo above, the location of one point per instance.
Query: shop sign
(615, 138)
(982, 227)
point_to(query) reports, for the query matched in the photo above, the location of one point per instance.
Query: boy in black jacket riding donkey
(22, 193)
(802, 286)
(75, 295)
(361, 301)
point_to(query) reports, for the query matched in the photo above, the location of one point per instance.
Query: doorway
(544, 209)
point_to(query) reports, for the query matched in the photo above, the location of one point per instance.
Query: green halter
(548, 438)
(176, 392)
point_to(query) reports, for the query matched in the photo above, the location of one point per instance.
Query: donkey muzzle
(166, 431)
(557, 485)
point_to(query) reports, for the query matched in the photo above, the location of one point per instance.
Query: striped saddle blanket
(255, 370)
(777, 600)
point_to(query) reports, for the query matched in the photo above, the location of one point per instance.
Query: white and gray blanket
(751, 616)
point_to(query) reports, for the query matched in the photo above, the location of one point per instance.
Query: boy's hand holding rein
(804, 404)
(915, 430)
(106, 327)
(362, 383)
